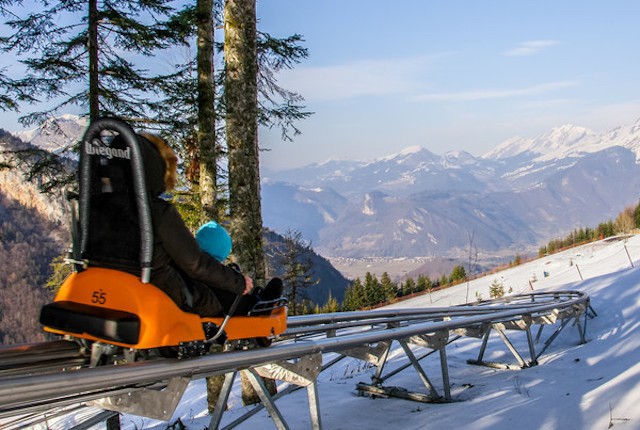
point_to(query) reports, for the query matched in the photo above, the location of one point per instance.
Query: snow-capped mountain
(55, 134)
(412, 169)
(416, 203)
(567, 141)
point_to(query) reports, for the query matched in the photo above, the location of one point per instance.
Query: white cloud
(531, 47)
(359, 78)
(496, 93)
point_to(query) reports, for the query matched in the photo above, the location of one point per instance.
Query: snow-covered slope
(589, 386)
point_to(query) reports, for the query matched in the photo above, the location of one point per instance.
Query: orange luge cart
(99, 302)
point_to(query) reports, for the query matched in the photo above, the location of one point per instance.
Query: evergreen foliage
(354, 296)
(408, 287)
(458, 274)
(298, 275)
(388, 288)
(496, 290)
(372, 291)
(87, 60)
(444, 280)
(625, 222)
(331, 306)
(12, 93)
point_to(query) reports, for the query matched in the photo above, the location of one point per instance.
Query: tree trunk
(214, 387)
(241, 96)
(242, 136)
(206, 111)
(207, 142)
(94, 103)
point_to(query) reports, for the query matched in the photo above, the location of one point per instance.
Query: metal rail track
(31, 376)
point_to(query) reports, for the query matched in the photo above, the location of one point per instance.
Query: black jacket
(193, 279)
(184, 272)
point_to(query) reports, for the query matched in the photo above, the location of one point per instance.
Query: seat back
(114, 223)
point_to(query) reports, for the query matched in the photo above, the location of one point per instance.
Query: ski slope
(590, 386)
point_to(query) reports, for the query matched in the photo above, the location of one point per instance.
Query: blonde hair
(169, 156)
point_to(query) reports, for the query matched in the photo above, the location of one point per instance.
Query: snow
(590, 386)
(410, 150)
(568, 141)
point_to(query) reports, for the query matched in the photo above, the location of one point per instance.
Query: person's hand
(248, 285)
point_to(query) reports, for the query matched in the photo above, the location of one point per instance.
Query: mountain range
(56, 135)
(416, 203)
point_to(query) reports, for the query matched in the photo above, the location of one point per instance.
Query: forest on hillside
(28, 243)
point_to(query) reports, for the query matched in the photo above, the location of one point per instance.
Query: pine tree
(81, 63)
(279, 107)
(372, 291)
(517, 260)
(542, 251)
(354, 296)
(331, 306)
(297, 266)
(425, 284)
(88, 55)
(496, 290)
(409, 287)
(388, 288)
(458, 274)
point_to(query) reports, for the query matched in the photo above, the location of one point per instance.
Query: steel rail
(56, 355)
(41, 357)
(467, 309)
(300, 326)
(21, 391)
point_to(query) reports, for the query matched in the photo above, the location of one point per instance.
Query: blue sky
(449, 74)
(452, 74)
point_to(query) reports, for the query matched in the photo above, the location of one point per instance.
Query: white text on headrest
(105, 151)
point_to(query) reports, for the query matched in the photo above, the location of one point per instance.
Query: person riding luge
(141, 280)
(194, 279)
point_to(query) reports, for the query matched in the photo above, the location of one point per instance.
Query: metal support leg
(301, 372)
(532, 351)
(266, 399)
(513, 350)
(314, 406)
(580, 330)
(539, 334)
(445, 374)
(425, 355)
(221, 403)
(376, 379)
(423, 376)
(553, 336)
(483, 347)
